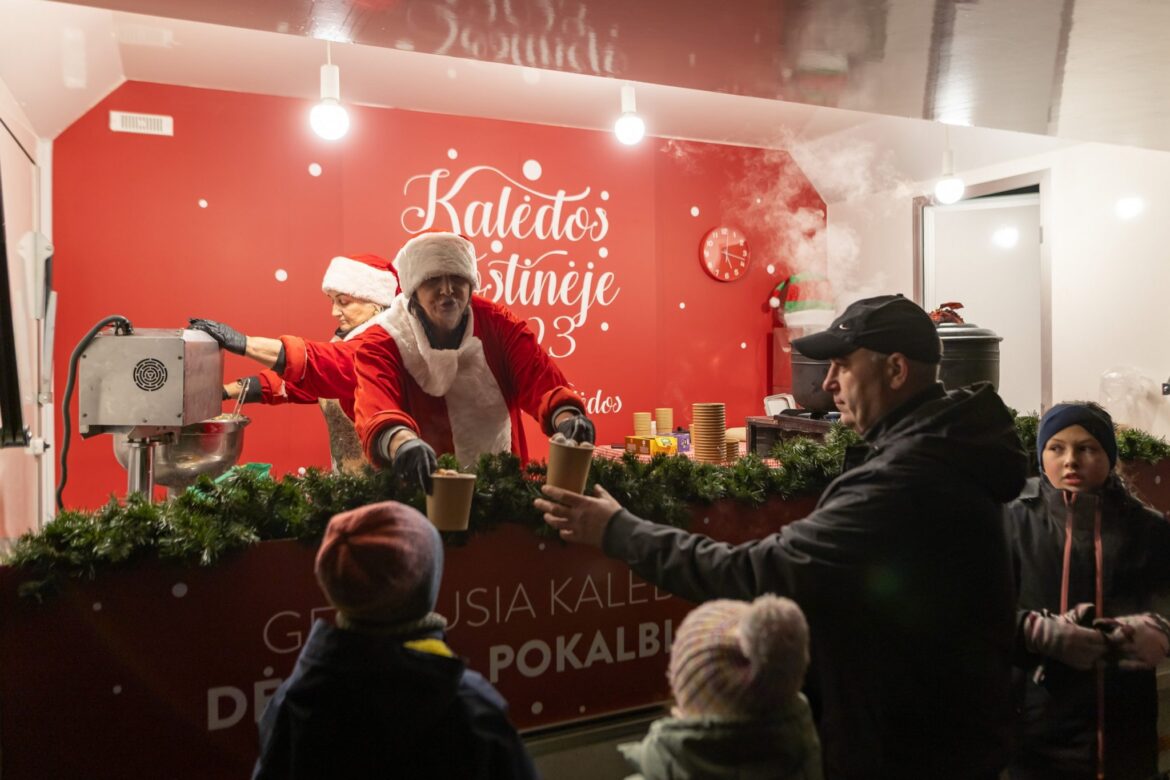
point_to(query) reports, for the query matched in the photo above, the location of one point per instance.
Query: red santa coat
(315, 369)
(466, 401)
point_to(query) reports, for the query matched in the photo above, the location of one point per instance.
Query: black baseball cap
(886, 324)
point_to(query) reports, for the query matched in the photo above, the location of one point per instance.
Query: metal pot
(210, 447)
(808, 375)
(970, 354)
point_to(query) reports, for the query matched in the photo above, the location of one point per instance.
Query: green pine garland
(213, 519)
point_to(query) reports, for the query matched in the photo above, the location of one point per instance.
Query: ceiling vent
(145, 35)
(144, 124)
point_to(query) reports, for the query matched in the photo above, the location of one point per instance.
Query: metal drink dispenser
(145, 387)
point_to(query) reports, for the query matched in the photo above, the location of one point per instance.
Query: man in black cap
(902, 569)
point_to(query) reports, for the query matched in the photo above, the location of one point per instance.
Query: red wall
(132, 239)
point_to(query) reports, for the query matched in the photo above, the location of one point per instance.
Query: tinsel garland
(210, 520)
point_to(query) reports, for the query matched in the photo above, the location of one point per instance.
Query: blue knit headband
(1096, 421)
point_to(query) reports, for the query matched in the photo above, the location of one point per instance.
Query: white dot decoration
(743, 345)
(1157, 479)
(97, 606)
(603, 252)
(314, 169)
(537, 708)
(759, 200)
(682, 305)
(527, 261)
(770, 268)
(572, 264)
(179, 590)
(202, 203)
(589, 265)
(117, 689)
(540, 546)
(268, 670)
(604, 326)
(281, 275)
(452, 154)
(694, 211)
(581, 708)
(605, 194)
(532, 170)
(497, 245)
(301, 471)
(706, 521)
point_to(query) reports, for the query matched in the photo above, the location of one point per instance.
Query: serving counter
(162, 671)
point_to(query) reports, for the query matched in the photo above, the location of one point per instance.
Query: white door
(985, 254)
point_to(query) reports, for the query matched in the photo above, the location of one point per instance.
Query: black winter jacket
(365, 706)
(903, 573)
(1058, 717)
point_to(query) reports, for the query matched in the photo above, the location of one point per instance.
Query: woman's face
(351, 312)
(444, 299)
(1075, 461)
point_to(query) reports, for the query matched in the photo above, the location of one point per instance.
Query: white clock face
(724, 254)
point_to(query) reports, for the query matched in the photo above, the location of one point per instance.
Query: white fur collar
(479, 416)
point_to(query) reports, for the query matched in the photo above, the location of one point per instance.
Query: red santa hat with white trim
(368, 277)
(435, 254)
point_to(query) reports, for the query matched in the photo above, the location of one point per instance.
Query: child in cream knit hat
(736, 671)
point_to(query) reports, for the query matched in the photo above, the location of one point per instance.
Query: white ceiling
(58, 60)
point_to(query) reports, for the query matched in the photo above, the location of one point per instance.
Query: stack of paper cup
(664, 417)
(732, 451)
(708, 427)
(641, 423)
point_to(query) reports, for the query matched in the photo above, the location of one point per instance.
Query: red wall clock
(724, 254)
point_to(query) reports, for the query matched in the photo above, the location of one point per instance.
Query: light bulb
(949, 189)
(629, 128)
(329, 119)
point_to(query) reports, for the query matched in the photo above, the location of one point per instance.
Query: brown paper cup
(449, 502)
(568, 466)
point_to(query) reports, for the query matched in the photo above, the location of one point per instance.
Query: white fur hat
(368, 277)
(435, 254)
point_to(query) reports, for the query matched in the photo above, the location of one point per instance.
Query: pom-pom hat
(381, 563)
(368, 277)
(739, 660)
(435, 254)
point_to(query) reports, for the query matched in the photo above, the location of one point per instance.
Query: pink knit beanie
(739, 660)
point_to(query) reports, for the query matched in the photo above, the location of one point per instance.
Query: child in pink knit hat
(736, 670)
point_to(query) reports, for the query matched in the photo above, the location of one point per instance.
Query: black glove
(254, 393)
(228, 337)
(579, 428)
(415, 461)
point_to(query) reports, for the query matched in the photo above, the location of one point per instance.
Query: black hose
(123, 327)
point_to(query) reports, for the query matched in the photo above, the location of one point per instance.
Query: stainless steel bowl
(210, 447)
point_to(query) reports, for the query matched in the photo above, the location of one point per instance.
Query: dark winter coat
(903, 573)
(1058, 718)
(364, 706)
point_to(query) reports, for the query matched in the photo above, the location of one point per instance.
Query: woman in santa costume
(444, 369)
(304, 372)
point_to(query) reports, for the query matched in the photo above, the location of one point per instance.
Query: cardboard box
(652, 445)
(682, 441)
